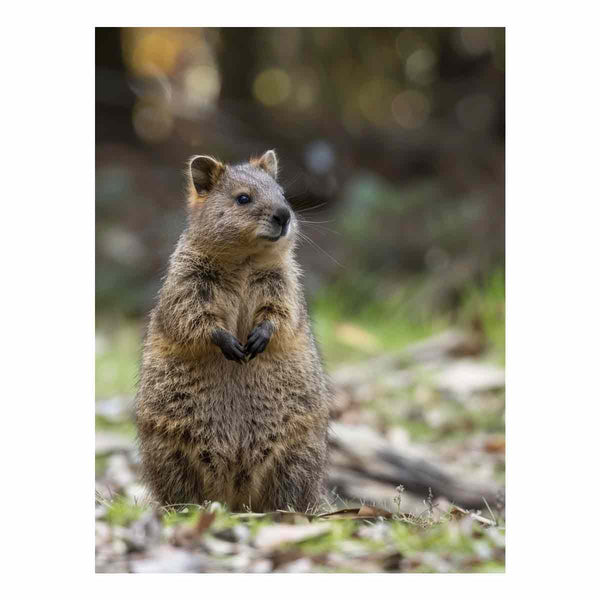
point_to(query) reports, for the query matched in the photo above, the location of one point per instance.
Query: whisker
(305, 237)
(301, 204)
(311, 207)
(320, 227)
(286, 183)
(316, 222)
(292, 197)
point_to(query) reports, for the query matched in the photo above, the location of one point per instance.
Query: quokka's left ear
(268, 163)
(204, 172)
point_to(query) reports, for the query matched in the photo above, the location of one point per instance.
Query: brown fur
(250, 433)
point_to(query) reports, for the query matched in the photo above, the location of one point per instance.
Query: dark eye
(243, 199)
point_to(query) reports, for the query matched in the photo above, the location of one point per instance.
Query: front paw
(258, 339)
(229, 345)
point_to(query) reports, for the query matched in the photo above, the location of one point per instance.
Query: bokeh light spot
(320, 157)
(202, 85)
(420, 66)
(306, 88)
(154, 51)
(153, 122)
(272, 86)
(374, 99)
(411, 109)
(475, 40)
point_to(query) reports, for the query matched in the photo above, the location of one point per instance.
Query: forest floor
(434, 391)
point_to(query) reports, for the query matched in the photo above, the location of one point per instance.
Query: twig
(491, 513)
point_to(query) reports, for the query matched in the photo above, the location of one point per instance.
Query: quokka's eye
(243, 199)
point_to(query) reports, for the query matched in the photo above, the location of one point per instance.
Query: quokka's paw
(229, 345)
(258, 339)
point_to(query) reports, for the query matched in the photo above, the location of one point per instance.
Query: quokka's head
(240, 205)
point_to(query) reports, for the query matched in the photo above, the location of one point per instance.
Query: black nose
(282, 217)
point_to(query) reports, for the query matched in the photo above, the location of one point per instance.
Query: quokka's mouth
(274, 238)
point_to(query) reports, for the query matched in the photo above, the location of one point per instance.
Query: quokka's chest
(244, 304)
(240, 318)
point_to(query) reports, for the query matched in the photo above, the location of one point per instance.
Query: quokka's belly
(229, 426)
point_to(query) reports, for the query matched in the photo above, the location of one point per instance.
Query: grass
(352, 324)
(124, 427)
(118, 352)
(385, 321)
(122, 512)
(486, 302)
(437, 542)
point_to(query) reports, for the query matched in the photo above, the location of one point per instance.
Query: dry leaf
(372, 511)
(495, 444)
(461, 512)
(204, 522)
(364, 512)
(271, 536)
(295, 518)
(280, 516)
(482, 519)
(249, 515)
(186, 534)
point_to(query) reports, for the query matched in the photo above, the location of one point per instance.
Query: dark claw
(258, 339)
(229, 345)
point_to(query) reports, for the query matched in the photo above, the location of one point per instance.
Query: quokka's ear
(268, 162)
(204, 172)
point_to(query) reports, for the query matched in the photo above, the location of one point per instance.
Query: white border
(48, 295)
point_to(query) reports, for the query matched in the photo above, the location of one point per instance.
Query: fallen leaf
(461, 512)
(279, 516)
(295, 518)
(495, 444)
(204, 522)
(364, 512)
(190, 534)
(271, 536)
(482, 519)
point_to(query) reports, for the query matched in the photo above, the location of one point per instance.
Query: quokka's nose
(282, 216)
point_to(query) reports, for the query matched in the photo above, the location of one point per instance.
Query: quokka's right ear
(204, 172)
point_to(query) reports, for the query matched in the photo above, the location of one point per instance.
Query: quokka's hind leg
(295, 482)
(172, 479)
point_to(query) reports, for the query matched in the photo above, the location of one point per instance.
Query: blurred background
(391, 148)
